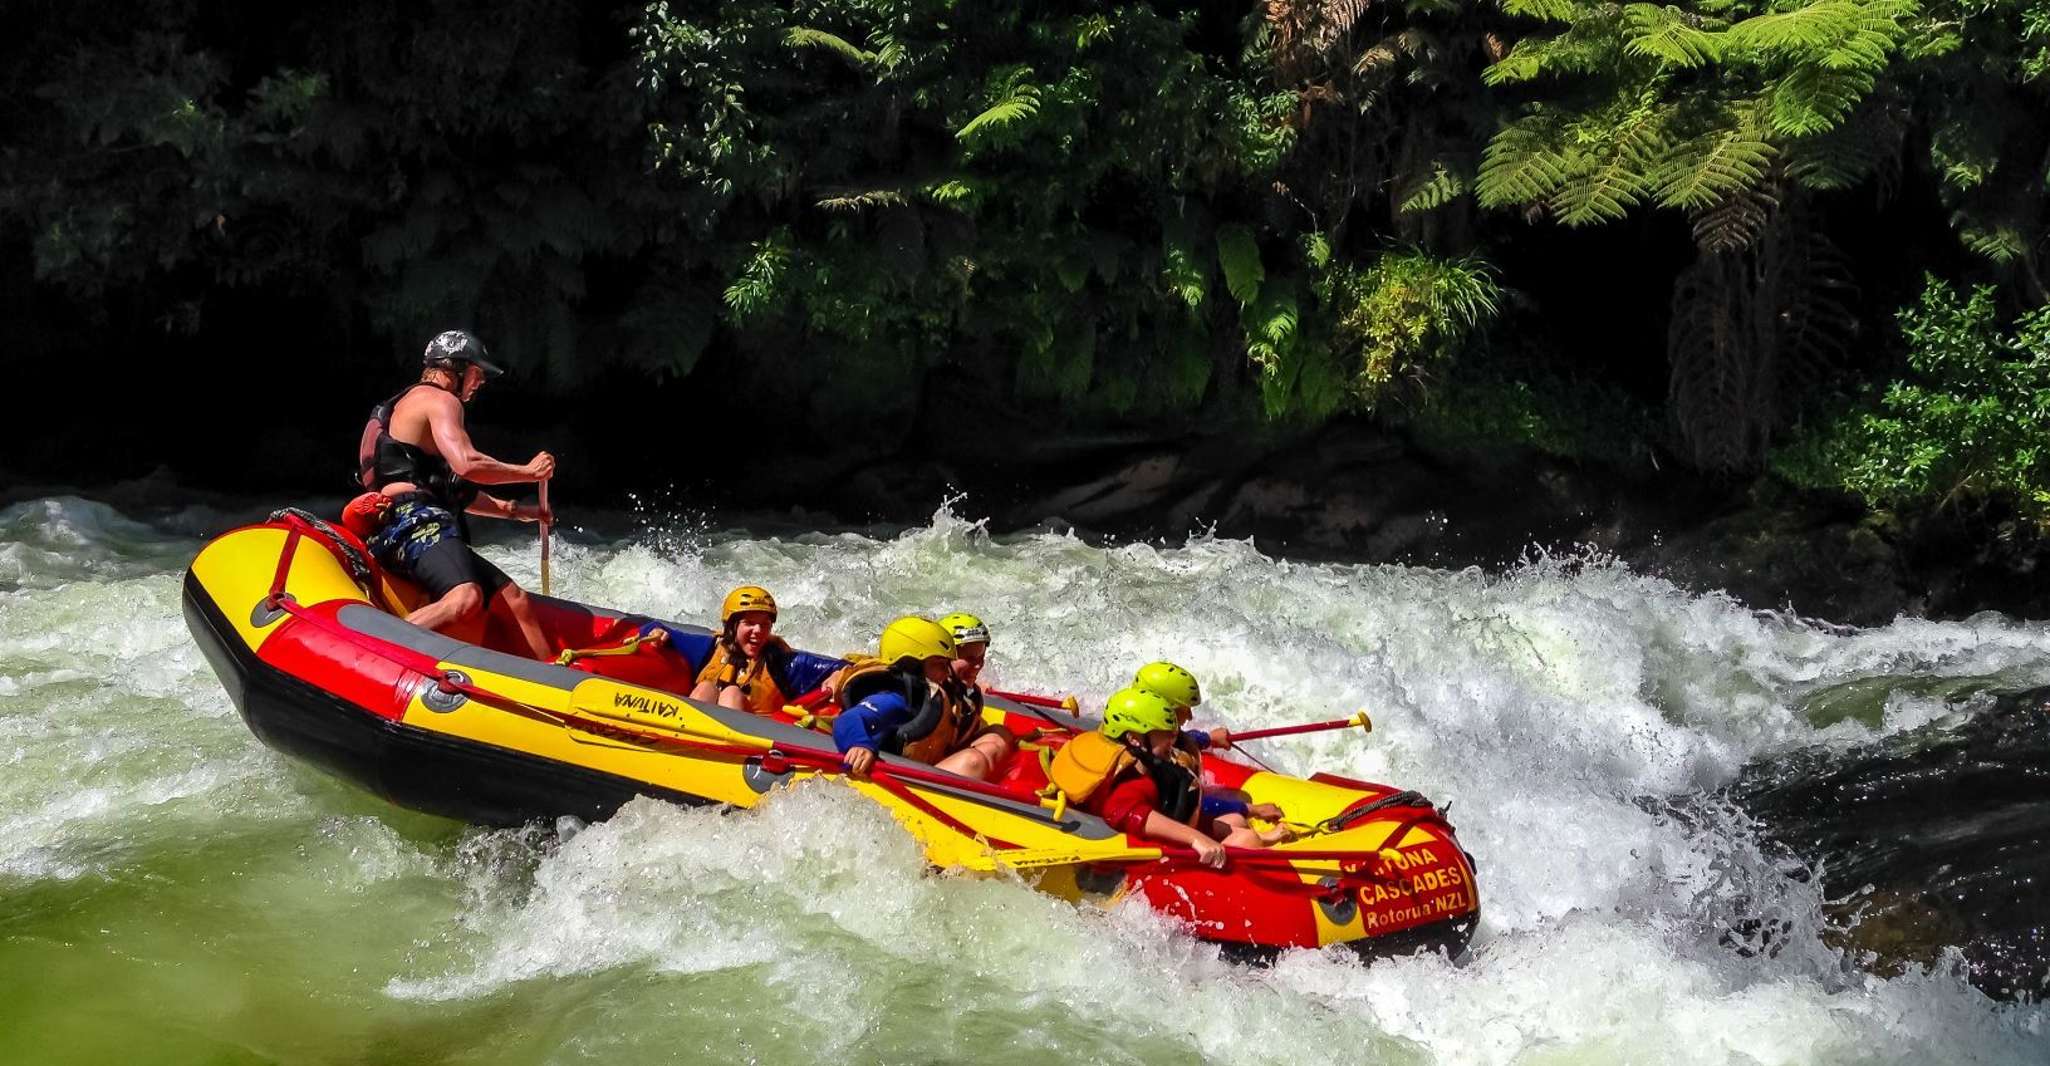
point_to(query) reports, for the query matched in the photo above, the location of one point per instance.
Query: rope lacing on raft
(359, 566)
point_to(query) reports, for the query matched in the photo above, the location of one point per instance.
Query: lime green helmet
(967, 628)
(1170, 682)
(1135, 710)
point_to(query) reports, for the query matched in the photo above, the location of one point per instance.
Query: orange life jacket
(1093, 762)
(759, 690)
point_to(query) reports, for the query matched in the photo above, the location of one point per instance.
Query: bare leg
(981, 757)
(460, 605)
(1238, 833)
(732, 698)
(522, 610)
(705, 691)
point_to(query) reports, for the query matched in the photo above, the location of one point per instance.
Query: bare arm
(452, 440)
(492, 507)
(1208, 852)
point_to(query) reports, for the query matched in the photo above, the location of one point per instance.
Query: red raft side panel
(1240, 905)
(371, 681)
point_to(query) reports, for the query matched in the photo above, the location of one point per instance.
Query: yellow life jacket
(1093, 761)
(758, 688)
(940, 722)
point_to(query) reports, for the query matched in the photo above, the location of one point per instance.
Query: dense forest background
(745, 248)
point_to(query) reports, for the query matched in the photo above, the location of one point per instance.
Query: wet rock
(1930, 839)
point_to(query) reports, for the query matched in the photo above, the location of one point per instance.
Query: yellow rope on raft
(627, 647)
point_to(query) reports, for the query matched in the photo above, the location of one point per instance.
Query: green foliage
(1408, 310)
(1050, 200)
(1635, 132)
(1964, 426)
(1017, 99)
(1239, 256)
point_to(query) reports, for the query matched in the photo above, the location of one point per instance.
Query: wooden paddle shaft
(544, 536)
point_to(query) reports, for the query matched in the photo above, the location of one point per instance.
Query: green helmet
(1171, 683)
(1135, 710)
(967, 628)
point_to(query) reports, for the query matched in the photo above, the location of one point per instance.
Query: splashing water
(168, 884)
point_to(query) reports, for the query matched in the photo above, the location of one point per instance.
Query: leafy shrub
(1966, 426)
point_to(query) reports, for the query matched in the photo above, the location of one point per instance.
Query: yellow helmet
(967, 628)
(913, 637)
(744, 599)
(1171, 683)
(1135, 710)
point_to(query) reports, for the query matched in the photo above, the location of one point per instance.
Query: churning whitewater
(225, 903)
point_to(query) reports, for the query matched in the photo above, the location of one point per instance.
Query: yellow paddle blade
(1366, 724)
(654, 710)
(1040, 858)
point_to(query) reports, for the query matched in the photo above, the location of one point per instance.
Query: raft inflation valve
(268, 610)
(443, 700)
(1337, 902)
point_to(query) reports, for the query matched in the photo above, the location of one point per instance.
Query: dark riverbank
(1352, 490)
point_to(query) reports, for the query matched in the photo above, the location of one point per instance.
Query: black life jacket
(936, 718)
(382, 459)
(1181, 792)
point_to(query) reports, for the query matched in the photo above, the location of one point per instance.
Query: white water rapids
(170, 890)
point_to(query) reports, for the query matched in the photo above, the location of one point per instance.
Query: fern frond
(863, 200)
(1585, 47)
(1548, 10)
(1810, 28)
(1441, 188)
(1848, 154)
(1021, 103)
(1525, 163)
(1238, 254)
(1736, 222)
(806, 37)
(1622, 176)
(1711, 166)
(2001, 244)
(954, 191)
(1808, 100)
(1669, 35)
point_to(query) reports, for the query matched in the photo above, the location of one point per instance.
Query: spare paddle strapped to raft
(306, 632)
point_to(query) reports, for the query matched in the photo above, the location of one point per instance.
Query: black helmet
(459, 346)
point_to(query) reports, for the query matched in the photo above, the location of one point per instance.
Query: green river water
(173, 892)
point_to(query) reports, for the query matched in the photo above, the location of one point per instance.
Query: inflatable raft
(307, 636)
